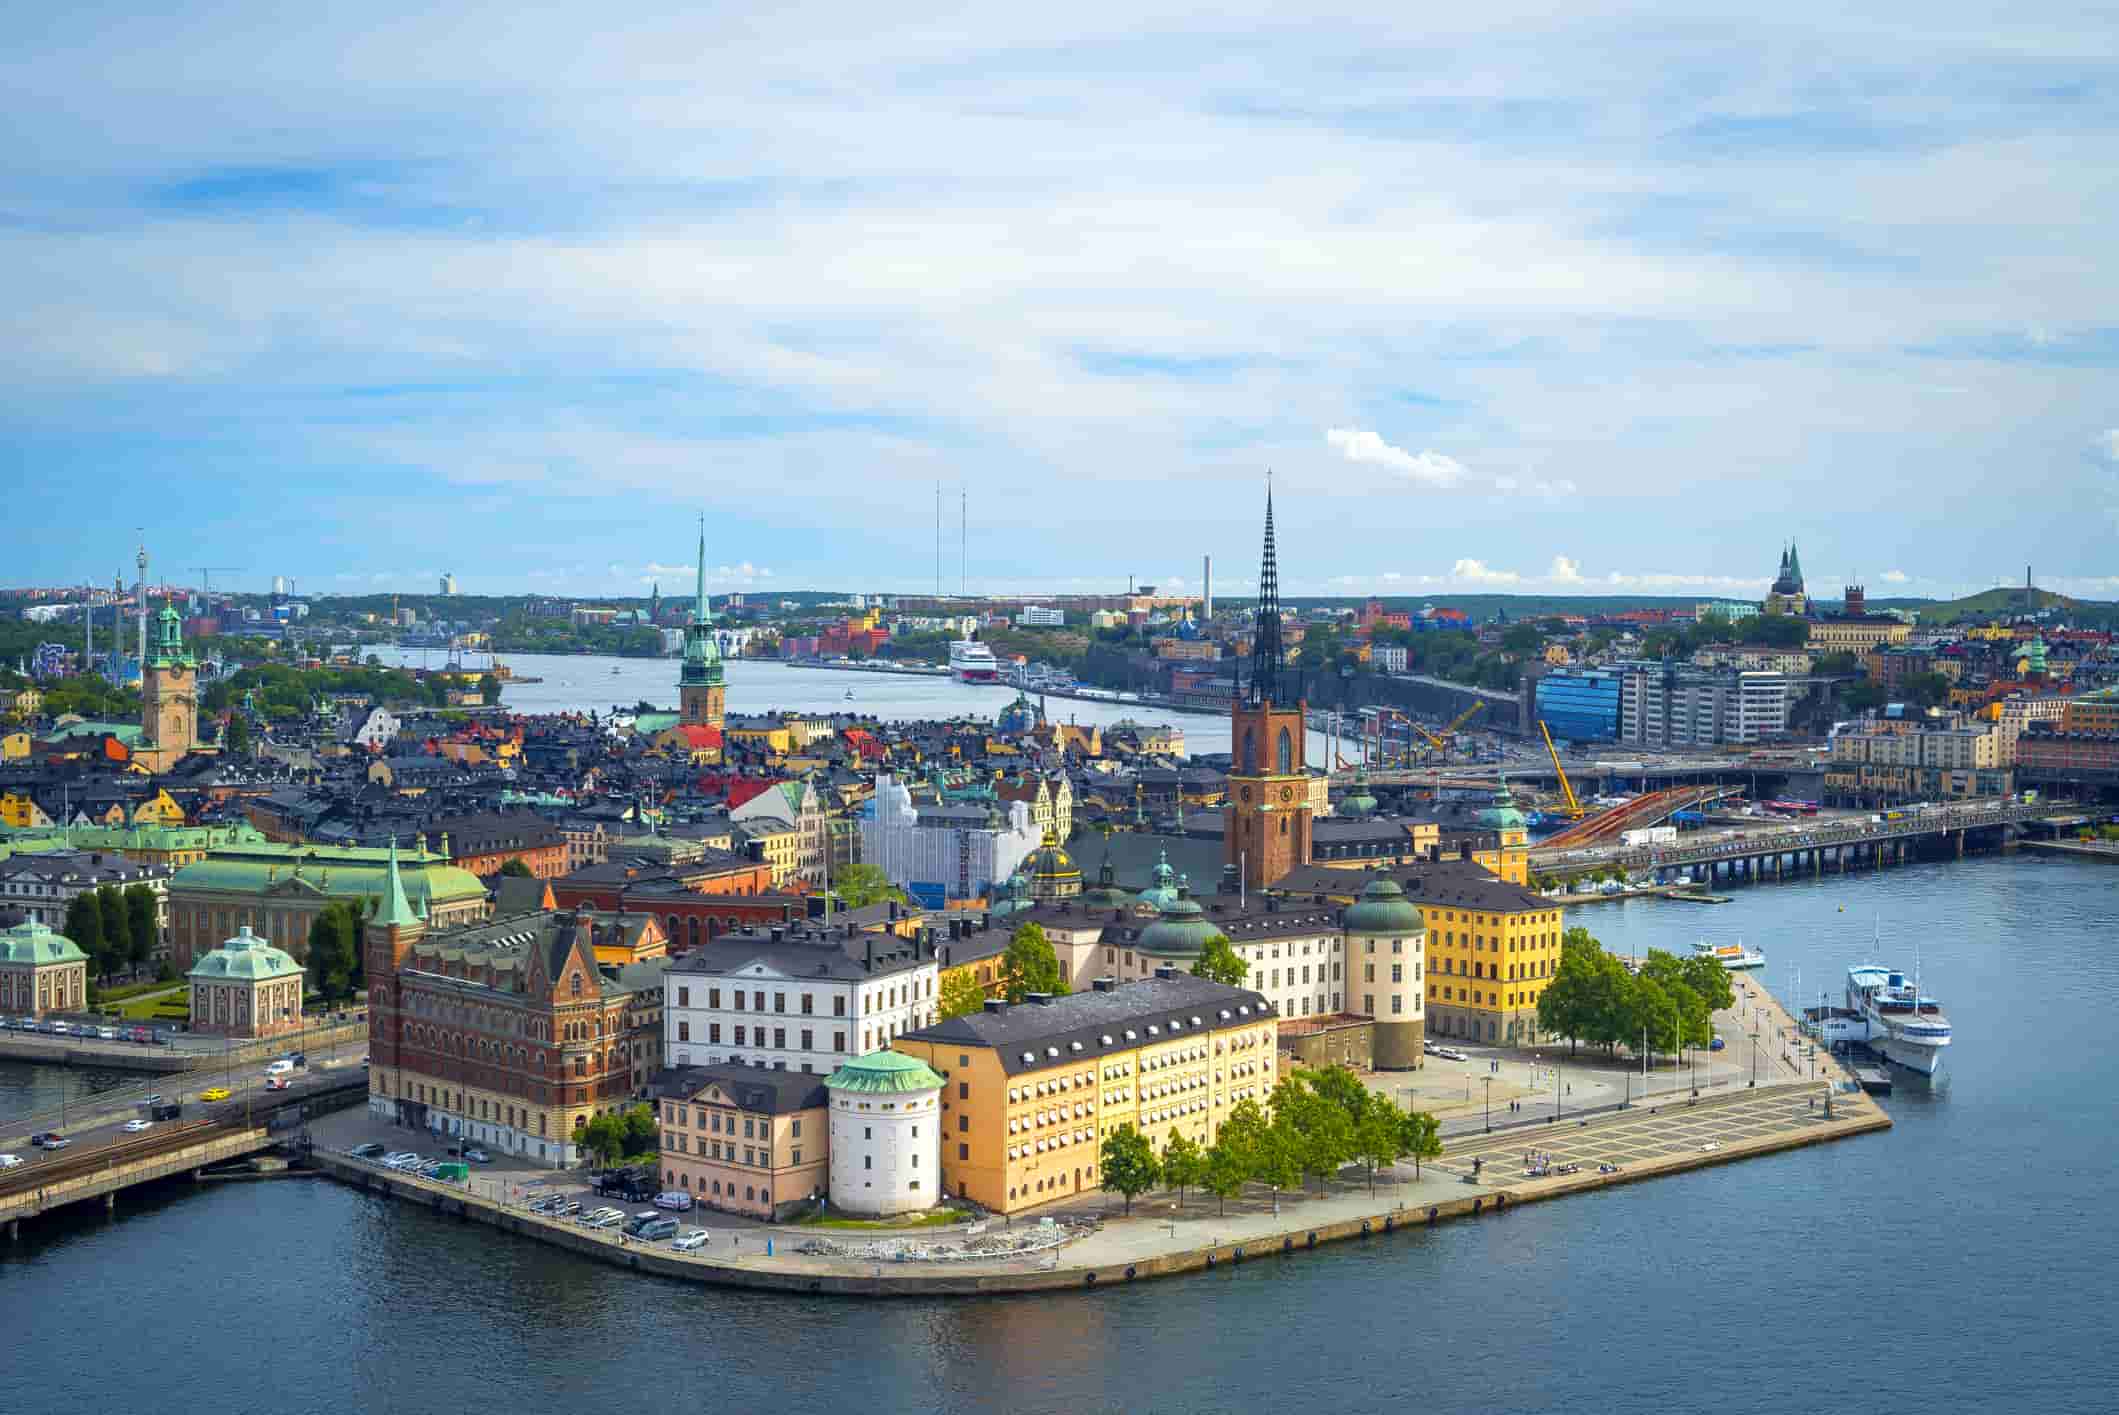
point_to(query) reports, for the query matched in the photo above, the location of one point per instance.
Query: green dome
(1358, 802)
(1163, 893)
(246, 957)
(35, 943)
(1382, 909)
(884, 1073)
(1182, 931)
(1106, 894)
(1502, 814)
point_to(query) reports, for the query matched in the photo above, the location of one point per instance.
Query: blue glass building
(1580, 706)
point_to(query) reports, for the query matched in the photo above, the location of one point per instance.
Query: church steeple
(1266, 655)
(699, 682)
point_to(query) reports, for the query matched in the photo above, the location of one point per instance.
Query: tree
(858, 886)
(961, 994)
(1218, 963)
(117, 929)
(142, 930)
(1378, 1139)
(1184, 1164)
(331, 949)
(237, 740)
(1128, 1163)
(1318, 1132)
(1030, 966)
(1224, 1172)
(1781, 631)
(1420, 1135)
(514, 868)
(642, 1135)
(604, 1137)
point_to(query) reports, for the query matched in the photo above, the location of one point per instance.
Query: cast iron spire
(1265, 643)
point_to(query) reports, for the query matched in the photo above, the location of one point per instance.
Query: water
(585, 683)
(1963, 1261)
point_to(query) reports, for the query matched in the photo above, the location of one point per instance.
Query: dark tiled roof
(847, 956)
(1075, 1026)
(1452, 884)
(752, 1088)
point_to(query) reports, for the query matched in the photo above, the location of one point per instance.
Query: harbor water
(1962, 1261)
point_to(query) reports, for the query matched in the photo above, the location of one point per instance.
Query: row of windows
(1484, 999)
(1480, 943)
(1517, 972)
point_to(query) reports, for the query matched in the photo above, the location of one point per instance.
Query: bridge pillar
(1960, 845)
(14, 1229)
(110, 1202)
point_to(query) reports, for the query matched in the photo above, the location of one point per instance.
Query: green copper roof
(334, 871)
(1182, 931)
(34, 943)
(246, 957)
(702, 655)
(1383, 909)
(1164, 891)
(884, 1073)
(167, 650)
(396, 910)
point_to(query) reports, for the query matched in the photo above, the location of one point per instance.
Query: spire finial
(1266, 659)
(701, 612)
(397, 910)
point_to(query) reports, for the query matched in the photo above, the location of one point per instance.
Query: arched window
(1287, 752)
(1250, 750)
(576, 988)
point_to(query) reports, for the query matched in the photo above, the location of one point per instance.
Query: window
(713, 997)
(963, 1152)
(1287, 759)
(780, 1036)
(963, 1090)
(963, 1123)
(779, 1002)
(713, 1032)
(684, 997)
(736, 999)
(806, 1004)
(684, 1031)
(1397, 1004)
(1397, 972)
(739, 1035)
(838, 1041)
(1368, 972)
(757, 1001)
(795, 1156)
(807, 1042)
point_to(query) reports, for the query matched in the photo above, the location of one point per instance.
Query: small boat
(849, 695)
(1733, 956)
(614, 670)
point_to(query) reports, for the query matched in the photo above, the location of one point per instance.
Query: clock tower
(169, 696)
(1267, 830)
(701, 694)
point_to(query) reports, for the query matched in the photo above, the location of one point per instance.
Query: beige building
(744, 1140)
(276, 892)
(1856, 634)
(246, 988)
(1792, 662)
(41, 971)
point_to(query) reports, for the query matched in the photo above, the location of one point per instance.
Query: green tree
(1128, 1164)
(237, 740)
(142, 931)
(117, 929)
(961, 994)
(643, 1136)
(1184, 1164)
(1420, 1135)
(331, 950)
(514, 868)
(1029, 965)
(1780, 631)
(1225, 1173)
(1379, 1139)
(1219, 963)
(1317, 1131)
(604, 1137)
(860, 885)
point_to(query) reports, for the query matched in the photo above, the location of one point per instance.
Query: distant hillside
(1991, 604)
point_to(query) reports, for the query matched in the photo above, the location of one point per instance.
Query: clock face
(1247, 793)
(1287, 793)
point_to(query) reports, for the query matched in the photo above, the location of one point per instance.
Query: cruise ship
(972, 662)
(1733, 956)
(1903, 1023)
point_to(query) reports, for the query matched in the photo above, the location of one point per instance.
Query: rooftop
(1032, 1035)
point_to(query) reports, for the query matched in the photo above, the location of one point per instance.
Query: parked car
(369, 1151)
(279, 1068)
(278, 1083)
(108, 1034)
(10, 1161)
(134, 1127)
(567, 1208)
(675, 1200)
(604, 1218)
(59, 1029)
(650, 1226)
(689, 1241)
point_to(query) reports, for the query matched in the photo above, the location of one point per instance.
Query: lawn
(935, 1218)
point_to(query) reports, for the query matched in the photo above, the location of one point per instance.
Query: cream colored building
(41, 971)
(1856, 634)
(246, 988)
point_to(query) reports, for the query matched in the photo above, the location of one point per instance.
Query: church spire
(1266, 657)
(702, 612)
(396, 910)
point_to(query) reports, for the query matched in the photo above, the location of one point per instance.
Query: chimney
(787, 914)
(779, 934)
(893, 908)
(1041, 999)
(1105, 985)
(869, 951)
(956, 930)
(996, 1006)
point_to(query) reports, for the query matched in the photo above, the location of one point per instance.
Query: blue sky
(1519, 299)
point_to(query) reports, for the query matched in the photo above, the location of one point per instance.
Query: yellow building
(19, 812)
(14, 746)
(1856, 634)
(1031, 1090)
(766, 732)
(25, 702)
(782, 844)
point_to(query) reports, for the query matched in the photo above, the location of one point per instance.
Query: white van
(279, 1068)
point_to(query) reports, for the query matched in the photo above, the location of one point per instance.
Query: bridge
(1642, 811)
(172, 1149)
(1863, 843)
(1646, 774)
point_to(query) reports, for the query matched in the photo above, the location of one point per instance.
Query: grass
(936, 1218)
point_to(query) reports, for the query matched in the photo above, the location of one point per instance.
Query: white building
(1671, 706)
(886, 1135)
(448, 583)
(795, 999)
(1036, 617)
(944, 852)
(1390, 658)
(795, 806)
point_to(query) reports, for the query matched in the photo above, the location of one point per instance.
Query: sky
(1526, 297)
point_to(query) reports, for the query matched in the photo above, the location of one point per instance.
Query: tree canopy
(961, 994)
(1218, 962)
(1127, 1164)
(861, 885)
(1030, 965)
(1594, 999)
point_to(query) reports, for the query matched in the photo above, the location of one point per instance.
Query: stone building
(744, 1140)
(886, 1129)
(246, 988)
(40, 971)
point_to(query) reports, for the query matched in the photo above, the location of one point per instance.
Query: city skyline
(1609, 305)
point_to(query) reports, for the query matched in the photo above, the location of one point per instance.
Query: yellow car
(214, 1093)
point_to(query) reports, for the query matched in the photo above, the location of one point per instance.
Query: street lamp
(1489, 1080)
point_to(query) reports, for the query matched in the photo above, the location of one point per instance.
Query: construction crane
(1574, 807)
(1440, 740)
(206, 574)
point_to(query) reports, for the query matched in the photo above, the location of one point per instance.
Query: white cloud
(1564, 572)
(1894, 577)
(1477, 572)
(1428, 468)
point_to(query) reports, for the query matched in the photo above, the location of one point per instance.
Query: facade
(1580, 707)
(789, 817)
(1886, 761)
(744, 1141)
(1386, 944)
(1039, 617)
(246, 988)
(1051, 801)
(1031, 1089)
(943, 852)
(886, 1135)
(44, 886)
(508, 1032)
(278, 890)
(41, 971)
(796, 998)
(1492, 950)
(1856, 633)
(1267, 825)
(1670, 705)
(1788, 595)
(1390, 658)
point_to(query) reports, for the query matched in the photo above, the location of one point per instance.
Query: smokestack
(1206, 576)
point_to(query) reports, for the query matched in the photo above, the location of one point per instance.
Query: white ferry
(1906, 1025)
(1733, 956)
(972, 662)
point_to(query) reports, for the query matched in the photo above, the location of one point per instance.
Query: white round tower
(886, 1135)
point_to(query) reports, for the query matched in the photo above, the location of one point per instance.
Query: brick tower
(387, 938)
(700, 692)
(169, 694)
(1268, 815)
